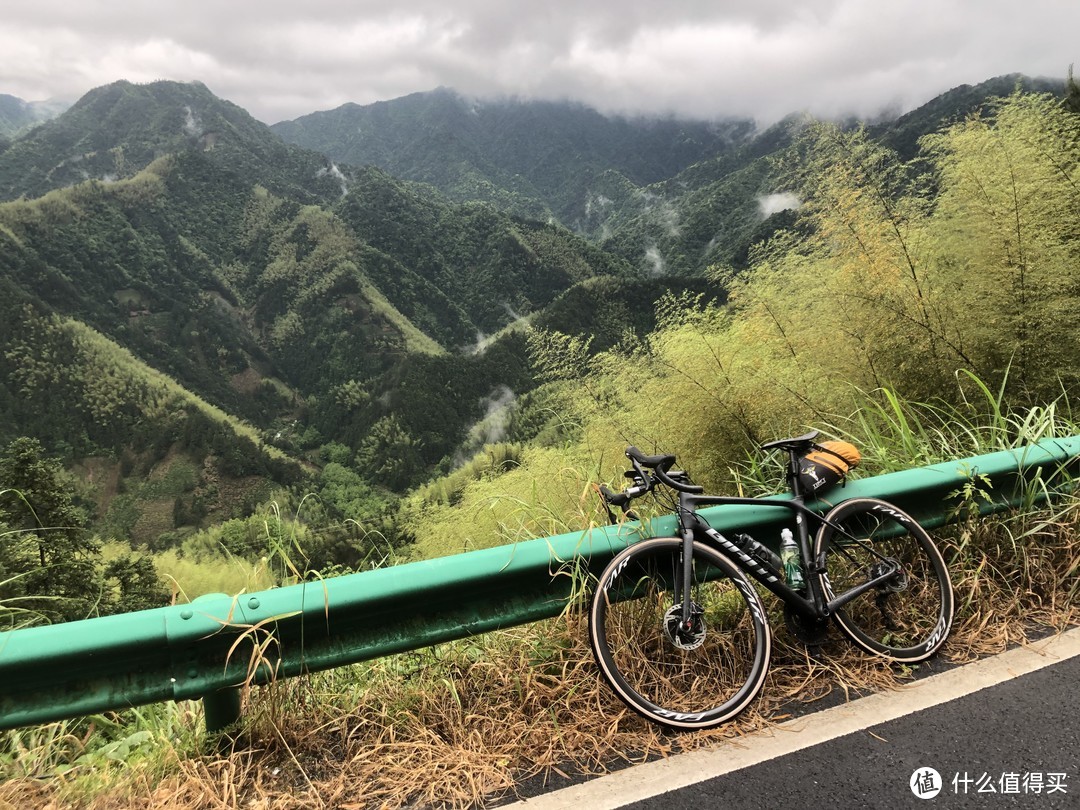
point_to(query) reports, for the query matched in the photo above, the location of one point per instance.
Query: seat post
(793, 473)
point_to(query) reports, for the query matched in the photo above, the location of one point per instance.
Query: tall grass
(17, 611)
(191, 577)
(898, 433)
(542, 492)
(893, 433)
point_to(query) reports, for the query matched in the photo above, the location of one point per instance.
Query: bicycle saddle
(797, 443)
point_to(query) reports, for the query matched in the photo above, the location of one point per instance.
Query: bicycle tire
(908, 617)
(685, 681)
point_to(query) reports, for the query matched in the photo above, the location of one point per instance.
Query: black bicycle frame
(812, 606)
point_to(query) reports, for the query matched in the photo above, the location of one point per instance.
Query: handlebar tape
(653, 462)
(661, 464)
(614, 498)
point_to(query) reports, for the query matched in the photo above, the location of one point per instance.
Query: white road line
(653, 778)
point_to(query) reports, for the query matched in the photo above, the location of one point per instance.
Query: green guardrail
(206, 649)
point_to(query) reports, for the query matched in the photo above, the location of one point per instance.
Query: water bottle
(789, 557)
(757, 550)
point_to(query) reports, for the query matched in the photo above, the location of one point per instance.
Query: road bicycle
(680, 632)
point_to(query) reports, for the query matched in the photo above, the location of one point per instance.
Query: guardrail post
(221, 709)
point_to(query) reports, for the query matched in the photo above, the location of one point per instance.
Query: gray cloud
(706, 58)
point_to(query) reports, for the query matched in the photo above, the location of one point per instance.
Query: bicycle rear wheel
(683, 678)
(907, 617)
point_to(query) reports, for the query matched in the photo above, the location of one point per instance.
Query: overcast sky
(701, 58)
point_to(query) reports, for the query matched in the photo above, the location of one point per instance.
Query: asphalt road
(999, 733)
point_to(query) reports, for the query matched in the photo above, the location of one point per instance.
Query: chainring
(811, 632)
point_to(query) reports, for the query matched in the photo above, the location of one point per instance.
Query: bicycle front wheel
(683, 677)
(905, 617)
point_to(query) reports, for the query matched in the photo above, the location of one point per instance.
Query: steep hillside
(954, 105)
(155, 456)
(711, 213)
(714, 211)
(115, 131)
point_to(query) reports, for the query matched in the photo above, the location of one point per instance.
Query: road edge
(653, 778)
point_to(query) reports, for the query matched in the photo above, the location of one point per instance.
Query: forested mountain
(670, 196)
(535, 158)
(712, 212)
(198, 315)
(325, 306)
(903, 133)
(115, 131)
(17, 115)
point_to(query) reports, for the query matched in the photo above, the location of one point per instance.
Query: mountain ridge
(542, 149)
(17, 115)
(639, 208)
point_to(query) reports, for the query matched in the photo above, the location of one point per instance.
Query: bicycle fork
(684, 581)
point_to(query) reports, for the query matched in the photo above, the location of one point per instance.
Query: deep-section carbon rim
(701, 678)
(908, 616)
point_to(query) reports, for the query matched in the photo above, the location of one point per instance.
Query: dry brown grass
(463, 724)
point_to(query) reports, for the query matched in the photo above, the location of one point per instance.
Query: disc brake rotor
(685, 638)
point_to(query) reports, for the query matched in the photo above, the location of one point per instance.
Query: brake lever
(622, 500)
